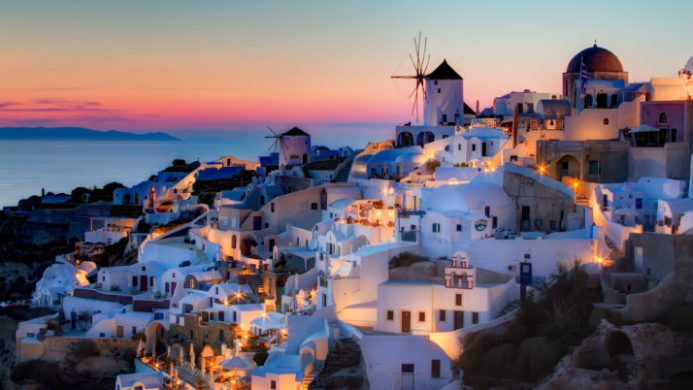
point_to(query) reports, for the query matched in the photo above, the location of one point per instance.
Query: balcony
(466, 283)
(409, 236)
(410, 213)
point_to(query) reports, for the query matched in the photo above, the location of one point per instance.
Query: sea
(27, 167)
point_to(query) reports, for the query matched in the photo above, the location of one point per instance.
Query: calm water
(60, 166)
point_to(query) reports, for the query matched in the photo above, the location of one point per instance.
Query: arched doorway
(405, 138)
(425, 137)
(156, 338)
(567, 166)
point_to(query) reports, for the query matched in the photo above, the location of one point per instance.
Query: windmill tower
(444, 97)
(441, 91)
(293, 146)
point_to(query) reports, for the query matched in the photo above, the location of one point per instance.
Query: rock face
(648, 355)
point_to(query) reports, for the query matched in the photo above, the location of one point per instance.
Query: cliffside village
(403, 248)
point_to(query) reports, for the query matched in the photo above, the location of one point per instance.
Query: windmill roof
(468, 110)
(295, 132)
(444, 72)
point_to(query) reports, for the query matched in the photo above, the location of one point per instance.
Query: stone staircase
(308, 379)
(508, 308)
(341, 173)
(255, 282)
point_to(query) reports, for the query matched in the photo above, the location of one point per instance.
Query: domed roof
(596, 59)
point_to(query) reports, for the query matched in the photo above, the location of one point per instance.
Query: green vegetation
(43, 373)
(540, 335)
(405, 259)
(260, 357)
(179, 165)
(207, 190)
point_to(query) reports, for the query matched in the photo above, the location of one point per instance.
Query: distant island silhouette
(78, 134)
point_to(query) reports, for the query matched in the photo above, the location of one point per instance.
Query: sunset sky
(186, 66)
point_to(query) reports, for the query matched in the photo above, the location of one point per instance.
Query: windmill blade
(273, 132)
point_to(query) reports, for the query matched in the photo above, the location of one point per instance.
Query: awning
(643, 128)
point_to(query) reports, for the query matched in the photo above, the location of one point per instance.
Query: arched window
(663, 118)
(606, 121)
(323, 199)
(588, 101)
(614, 100)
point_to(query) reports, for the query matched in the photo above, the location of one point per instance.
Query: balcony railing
(459, 283)
(409, 236)
(409, 213)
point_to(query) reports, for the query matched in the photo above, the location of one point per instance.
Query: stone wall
(202, 333)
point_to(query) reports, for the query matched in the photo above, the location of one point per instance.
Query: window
(436, 228)
(314, 206)
(134, 281)
(459, 146)
(606, 121)
(407, 368)
(134, 330)
(102, 335)
(638, 203)
(473, 147)
(475, 318)
(458, 299)
(673, 136)
(553, 225)
(422, 316)
(494, 222)
(435, 368)
(412, 227)
(663, 118)
(262, 199)
(273, 384)
(487, 211)
(441, 315)
(390, 315)
(593, 167)
(588, 101)
(459, 227)
(444, 118)
(539, 224)
(272, 207)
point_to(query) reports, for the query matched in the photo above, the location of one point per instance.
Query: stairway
(308, 379)
(255, 282)
(341, 173)
(508, 308)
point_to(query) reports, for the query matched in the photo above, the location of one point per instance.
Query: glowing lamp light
(598, 260)
(542, 169)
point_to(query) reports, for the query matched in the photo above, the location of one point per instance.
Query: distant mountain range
(78, 134)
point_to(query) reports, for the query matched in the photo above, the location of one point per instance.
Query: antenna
(420, 60)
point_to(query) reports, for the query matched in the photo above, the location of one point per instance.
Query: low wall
(452, 343)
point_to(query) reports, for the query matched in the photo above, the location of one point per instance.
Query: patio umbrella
(236, 364)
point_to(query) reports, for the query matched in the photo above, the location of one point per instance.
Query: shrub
(405, 259)
(260, 357)
(541, 333)
(38, 371)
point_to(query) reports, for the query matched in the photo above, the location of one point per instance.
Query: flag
(583, 76)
